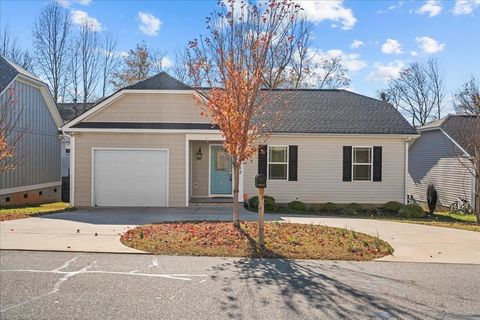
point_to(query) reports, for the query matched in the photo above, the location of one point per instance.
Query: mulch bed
(282, 240)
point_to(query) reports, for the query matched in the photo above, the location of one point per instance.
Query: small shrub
(330, 207)
(374, 212)
(296, 206)
(412, 211)
(269, 203)
(432, 198)
(392, 206)
(355, 206)
(349, 211)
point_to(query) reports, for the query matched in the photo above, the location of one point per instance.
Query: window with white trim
(362, 163)
(277, 162)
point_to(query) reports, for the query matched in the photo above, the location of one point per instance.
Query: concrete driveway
(98, 230)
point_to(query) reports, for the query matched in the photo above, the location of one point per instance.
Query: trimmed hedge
(392, 206)
(269, 202)
(412, 211)
(296, 206)
(355, 206)
(330, 207)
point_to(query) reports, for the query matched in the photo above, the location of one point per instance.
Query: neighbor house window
(277, 162)
(362, 163)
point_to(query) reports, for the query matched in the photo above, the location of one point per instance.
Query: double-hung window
(362, 163)
(277, 162)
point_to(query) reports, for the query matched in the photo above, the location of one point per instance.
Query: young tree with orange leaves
(10, 131)
(232, 61)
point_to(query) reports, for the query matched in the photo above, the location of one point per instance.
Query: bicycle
(461, 206)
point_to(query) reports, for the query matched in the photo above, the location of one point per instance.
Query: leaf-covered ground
(25, 211)
(282, 240)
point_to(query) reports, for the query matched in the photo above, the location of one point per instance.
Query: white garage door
(130, 177)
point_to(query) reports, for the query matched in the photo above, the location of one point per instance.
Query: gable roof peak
(160, 81)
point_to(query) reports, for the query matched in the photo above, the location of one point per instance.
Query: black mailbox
(260, 181)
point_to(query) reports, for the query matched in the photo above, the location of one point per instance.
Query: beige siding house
(148, 145)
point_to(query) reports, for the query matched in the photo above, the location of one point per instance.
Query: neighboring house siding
(433, 159)
(151, 107)
(320, 172)
(84, 143)
(39, 148)
(65, 156)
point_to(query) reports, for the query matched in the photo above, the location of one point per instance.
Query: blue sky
(387, 34)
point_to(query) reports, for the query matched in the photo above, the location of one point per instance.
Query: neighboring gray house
(440, 157)
(148, 145)
(36, 178)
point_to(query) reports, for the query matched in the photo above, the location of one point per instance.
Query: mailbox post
(261, 184)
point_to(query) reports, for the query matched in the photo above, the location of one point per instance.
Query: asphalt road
(58, 285)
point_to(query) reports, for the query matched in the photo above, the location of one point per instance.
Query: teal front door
(220, 171)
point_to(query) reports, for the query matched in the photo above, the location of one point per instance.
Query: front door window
(220, 171)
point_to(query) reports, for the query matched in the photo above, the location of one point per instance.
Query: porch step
(208, 201)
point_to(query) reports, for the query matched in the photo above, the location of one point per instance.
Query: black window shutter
(292, 163)
(347, 163)
(377, 163)
(262, 159)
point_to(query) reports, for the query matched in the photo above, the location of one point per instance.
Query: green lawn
(25, 211)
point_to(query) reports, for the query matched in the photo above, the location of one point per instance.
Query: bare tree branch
(51, 37)
(467, 98)
(418, 92)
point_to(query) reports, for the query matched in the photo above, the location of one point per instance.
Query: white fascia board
(8, 85)
(336, 135)
(140, 130)
(455, 143)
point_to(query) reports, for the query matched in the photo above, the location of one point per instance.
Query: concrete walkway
(99, 230)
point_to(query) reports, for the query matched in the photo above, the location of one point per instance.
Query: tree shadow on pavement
(281, 288)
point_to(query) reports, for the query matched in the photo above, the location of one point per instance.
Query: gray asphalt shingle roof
(461, 128)
(69, 111)
(160, 81)
(313, 111)
(337, 111)
(7, 73)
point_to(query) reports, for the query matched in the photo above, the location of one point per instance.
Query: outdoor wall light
(199, 154)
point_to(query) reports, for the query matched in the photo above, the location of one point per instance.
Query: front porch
(210, 171)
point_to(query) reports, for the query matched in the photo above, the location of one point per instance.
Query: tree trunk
(236, 184)
(261, 217)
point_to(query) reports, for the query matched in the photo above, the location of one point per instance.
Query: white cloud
(149, 24)
(413, 53)
(465, 6)
(351, 61)
(429, 45)
(68, 3)
(392, 7)
(318, 11)
(384, 72)
(392, 46)
(166, 62)
(64, 3)
(81, 18)
(431, 7)
(357, 44)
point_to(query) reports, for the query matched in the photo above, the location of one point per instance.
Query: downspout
(405, 181)
(72, 166)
